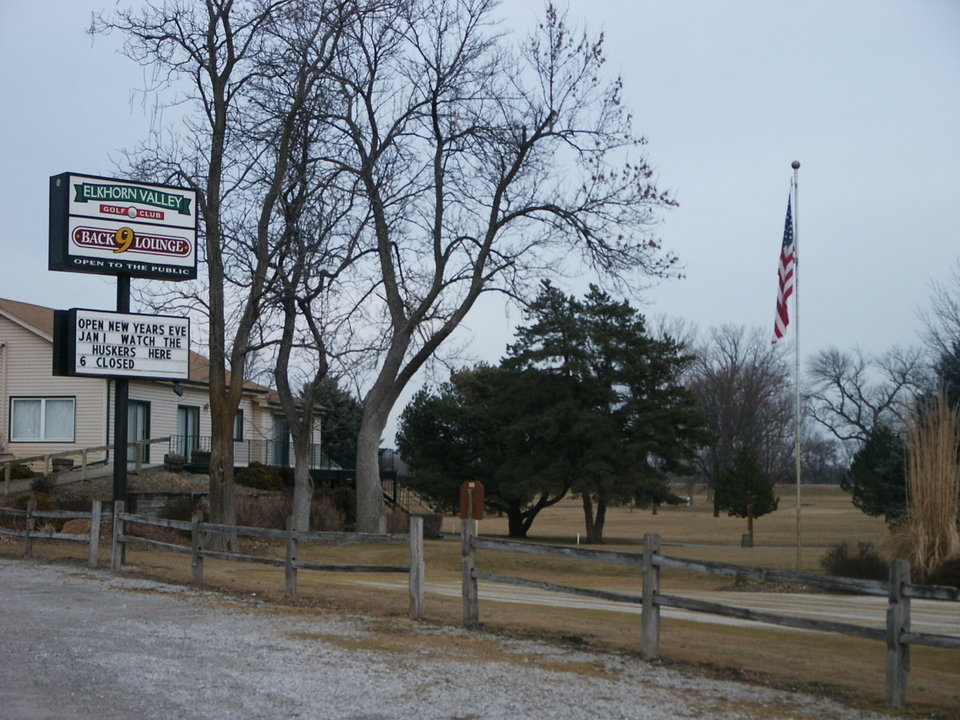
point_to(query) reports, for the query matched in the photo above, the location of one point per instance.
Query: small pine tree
(744, 484)
(876, 479)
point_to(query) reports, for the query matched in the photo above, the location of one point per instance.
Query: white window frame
(43, 419)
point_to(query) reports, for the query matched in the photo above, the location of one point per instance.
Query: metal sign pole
(120, 403)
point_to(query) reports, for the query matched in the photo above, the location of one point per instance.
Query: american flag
(788, 267)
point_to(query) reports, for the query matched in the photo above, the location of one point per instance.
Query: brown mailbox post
(471, 500)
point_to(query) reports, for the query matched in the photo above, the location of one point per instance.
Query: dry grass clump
(930, 534)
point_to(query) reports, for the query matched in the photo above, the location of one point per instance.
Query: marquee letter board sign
(118, 227)
(98, 343)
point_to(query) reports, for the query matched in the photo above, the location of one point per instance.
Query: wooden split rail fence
(898, 590)
(31, 533)
(292, 540)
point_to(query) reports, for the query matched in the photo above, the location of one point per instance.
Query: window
(281, 441)
(138, 428)
(188, 430)
(41, 419)
(238, 426)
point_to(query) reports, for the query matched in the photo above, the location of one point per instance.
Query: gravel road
(78, 645)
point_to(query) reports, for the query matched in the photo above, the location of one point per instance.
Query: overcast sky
(865, 94)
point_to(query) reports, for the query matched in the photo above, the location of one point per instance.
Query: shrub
(866, 564)
(180, 508)
(264, 512)
(345, 500)
(397, 521)
(42, 485)
(947, 574)
(76, 504)
(324, 515)
(261, 477)
(19, 471)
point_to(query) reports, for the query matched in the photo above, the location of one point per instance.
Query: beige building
(43, 413)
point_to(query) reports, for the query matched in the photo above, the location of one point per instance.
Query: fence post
(471, 605)
(650, 612)
(116, 548)
(898, 622)
(95, 512)
(291, 570)
(138, 456)
(30, 525)
(416, 567)
(196, 538)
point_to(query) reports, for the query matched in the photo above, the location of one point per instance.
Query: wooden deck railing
(84, 454)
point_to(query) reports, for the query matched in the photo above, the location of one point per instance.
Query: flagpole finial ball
(795, 164)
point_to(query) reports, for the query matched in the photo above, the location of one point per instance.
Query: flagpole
(796, 344)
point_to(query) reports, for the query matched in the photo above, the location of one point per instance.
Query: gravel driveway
(78, 644)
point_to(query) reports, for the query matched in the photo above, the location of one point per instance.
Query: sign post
(121, 406)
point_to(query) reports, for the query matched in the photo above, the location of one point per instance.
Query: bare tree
(214, 58)
(483, 168)
(316, 232)
(851, 393)
(318, 246)
(476, 167)
(743, 385)
(941, 323)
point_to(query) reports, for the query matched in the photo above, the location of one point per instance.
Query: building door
(138, 428)
(281, 441)
(188, 430)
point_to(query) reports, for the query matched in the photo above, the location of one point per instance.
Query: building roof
(39, 319)
(36, 316)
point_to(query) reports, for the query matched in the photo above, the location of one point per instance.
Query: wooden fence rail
(30, 533)
(82, 452)
(292, 540)
(898, 591)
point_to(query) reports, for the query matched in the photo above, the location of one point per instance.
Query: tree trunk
(516, 522)
(587, 503)
(223, 504)
(371, 511)
(302, 484)
(599, 521)
(594, 522)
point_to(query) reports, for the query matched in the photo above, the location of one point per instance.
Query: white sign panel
(119, 227)
(125, 345)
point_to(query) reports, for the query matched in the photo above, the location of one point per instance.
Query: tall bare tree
(212, 60)
(850, 394)
(317, 232)
(483, 167)
(743, 385)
